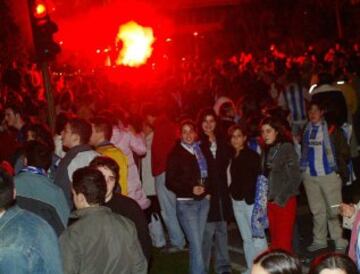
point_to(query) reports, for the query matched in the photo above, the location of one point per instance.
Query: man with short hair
(75, 138)
(100, 139)
(27, 243)
(99, 241)
(36, 192)
(121, 204)
(14, 117)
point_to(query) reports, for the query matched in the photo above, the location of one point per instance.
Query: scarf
(199, 157)
(34, 170)
(327, 146)
(353, 247)
(259, 218)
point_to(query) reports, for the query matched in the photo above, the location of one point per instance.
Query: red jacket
(165, 135)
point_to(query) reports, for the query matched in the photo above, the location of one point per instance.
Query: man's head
(7, 191)
(150, 112)
(89, 187)
(101, 130)
(77, 131)
(37, 154)
(110, 169)
(316, 112)
(14, 116)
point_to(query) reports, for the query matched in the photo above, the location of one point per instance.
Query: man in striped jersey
(294, 98)
(325, 154)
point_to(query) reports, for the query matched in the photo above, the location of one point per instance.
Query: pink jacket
(129, 143)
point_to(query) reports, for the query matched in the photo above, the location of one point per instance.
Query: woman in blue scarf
(186, 176)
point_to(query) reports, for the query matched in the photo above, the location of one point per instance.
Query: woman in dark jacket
(186, 176)
(280, 165)
(244, 170)
(217, 153)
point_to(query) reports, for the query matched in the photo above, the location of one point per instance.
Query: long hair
(200, 119)
(284, 135)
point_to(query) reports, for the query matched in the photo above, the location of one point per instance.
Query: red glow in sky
(92, 35)
(137, 44)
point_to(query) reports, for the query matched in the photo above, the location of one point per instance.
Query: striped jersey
(318, 164)
(295, 96)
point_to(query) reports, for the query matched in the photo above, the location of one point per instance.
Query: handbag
(156, 231)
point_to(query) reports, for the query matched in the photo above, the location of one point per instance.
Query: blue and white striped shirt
(294, 96)
(317, 160)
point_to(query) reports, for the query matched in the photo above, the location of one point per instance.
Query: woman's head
(273, 131)
(276, 262)
(333, 263)
(207, 121)
(238, 136)
(188, 132)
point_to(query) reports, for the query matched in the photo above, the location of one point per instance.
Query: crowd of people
(230, 141)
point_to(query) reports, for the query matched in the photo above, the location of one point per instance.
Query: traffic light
(43, 29)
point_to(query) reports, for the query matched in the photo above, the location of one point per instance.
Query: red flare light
(137, 44)
(40, 10)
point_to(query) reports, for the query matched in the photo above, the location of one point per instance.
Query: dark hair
(16, 108)
(241, 126)
(91, 183)
(6, 190)
(82, 128)
(61, 119)
(200, 119)
(188, 122)
(38, 154)
(225, 107)
(318, 103)
(333, 261)
(283, 134)
(103, 161)
(42, 133)
(278, 261)
(104, 125)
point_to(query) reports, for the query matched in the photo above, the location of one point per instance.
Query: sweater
(244, 170)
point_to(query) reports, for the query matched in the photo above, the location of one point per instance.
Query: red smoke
(92, 35)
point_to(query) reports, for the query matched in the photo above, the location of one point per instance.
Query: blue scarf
(34, 170)
(327, 146)
(199, 157)
(259, 218)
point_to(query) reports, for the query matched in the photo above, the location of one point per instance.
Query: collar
(34, 170)
(79, 213)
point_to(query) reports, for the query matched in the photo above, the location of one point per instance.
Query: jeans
(252, 246)
(192, 216)
(222, 259)
(167, 201)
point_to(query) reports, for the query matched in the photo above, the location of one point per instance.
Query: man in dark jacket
(99, 241)
(36, 192)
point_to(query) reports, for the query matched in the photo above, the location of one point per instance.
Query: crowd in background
(209, 143)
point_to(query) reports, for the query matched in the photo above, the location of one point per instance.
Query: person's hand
(198, 190)
(347, 210)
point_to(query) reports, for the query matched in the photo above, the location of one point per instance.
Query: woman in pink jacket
(129, 141)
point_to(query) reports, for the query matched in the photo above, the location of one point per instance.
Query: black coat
(182, 173)
(220, 203)
(245, 168)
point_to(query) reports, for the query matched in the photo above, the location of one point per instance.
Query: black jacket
(244, 170)
(128, 208)
(220, 203)
(182, 173)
